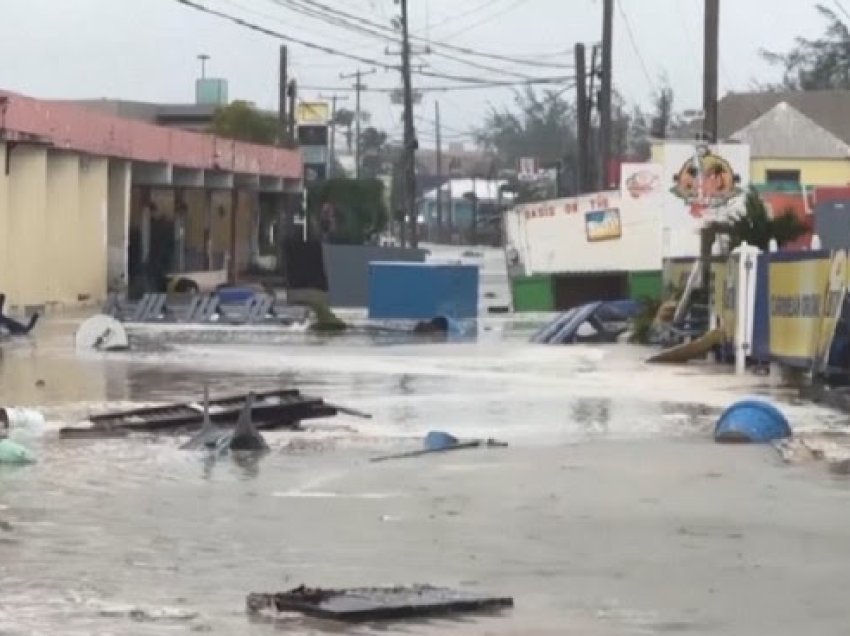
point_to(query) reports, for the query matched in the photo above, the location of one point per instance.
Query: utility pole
(410, 143)
(710, 90)
(711, 61)
(334, 99)
(605, 93)
(292, 93)
(583, 120)
(358, 88)
(439, 134)
(283, 130)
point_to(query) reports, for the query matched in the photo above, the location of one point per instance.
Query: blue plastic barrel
(437, 440)
(753, 421)
(235, 295)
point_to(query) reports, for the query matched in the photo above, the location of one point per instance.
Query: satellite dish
(101, 333)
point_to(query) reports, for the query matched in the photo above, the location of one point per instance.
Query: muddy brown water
(610, 513)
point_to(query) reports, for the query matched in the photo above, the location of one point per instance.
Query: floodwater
(610, 512)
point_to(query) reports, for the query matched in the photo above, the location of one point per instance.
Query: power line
(635, 46)
(345, 23)
(489, 18)
(325, 49)
(275, 34)
(456, 87)
(841, 8)
(333, 11)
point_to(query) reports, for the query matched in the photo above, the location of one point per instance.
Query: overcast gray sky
(146, 49)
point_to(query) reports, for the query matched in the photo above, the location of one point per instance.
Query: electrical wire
(841, 8)
(293, 5)
(314, 5)
(635, 46)
(569, 80)
(486, 20)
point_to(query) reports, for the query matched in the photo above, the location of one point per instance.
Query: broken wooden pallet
(376, 604)
(272, 410)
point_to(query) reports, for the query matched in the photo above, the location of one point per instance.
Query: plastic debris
(751, 421)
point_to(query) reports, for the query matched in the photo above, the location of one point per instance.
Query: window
(783, 176)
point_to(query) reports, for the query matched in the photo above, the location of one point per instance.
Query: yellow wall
(26, 246)
(92, 233)
(812, 171)
(4, 231)
(62, 214)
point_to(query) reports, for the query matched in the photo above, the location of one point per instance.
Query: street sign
(312, 135)
(313, 113)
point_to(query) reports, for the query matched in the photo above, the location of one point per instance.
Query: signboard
(836, 292)
(798, 283)
(313, 136)
(603, 225)
(313, 113)
(528, 169)
(700, 184)
(641, 180)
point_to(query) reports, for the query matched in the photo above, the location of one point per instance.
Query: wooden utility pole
(359, 87)
(332, 152)
(711, 61)
(410, 143)
(283, 129)
(710, 91)
(606, 90)
(583, 119)
(439, 135)
(292, 94)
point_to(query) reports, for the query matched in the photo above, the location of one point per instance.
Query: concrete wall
(117, 223)
(92, 234)
(347, 268)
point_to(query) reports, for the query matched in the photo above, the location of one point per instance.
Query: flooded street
(610, 513)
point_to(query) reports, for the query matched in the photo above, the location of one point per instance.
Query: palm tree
(757, 227)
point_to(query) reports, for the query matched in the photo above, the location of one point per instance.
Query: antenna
(204, 58)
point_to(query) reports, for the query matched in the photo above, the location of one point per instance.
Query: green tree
(756, 226)
(541, 126)
(350, 211)
(242, 122)
(345, 119)
(373, 152)
(821, 63)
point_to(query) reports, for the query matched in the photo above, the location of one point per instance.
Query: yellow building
(798, 137)
(74, 185)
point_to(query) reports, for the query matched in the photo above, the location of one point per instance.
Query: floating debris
(375, 604)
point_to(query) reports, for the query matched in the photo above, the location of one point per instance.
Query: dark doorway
(572, 290)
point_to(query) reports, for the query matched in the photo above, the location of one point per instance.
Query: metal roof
(785, 132)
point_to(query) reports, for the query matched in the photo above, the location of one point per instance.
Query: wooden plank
(376, 604)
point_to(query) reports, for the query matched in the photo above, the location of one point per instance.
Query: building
(78, 190)
(464, 203)
(796, 136)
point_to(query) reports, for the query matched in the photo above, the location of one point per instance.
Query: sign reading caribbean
(798, 299)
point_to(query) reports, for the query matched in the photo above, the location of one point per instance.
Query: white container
(18, 418)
